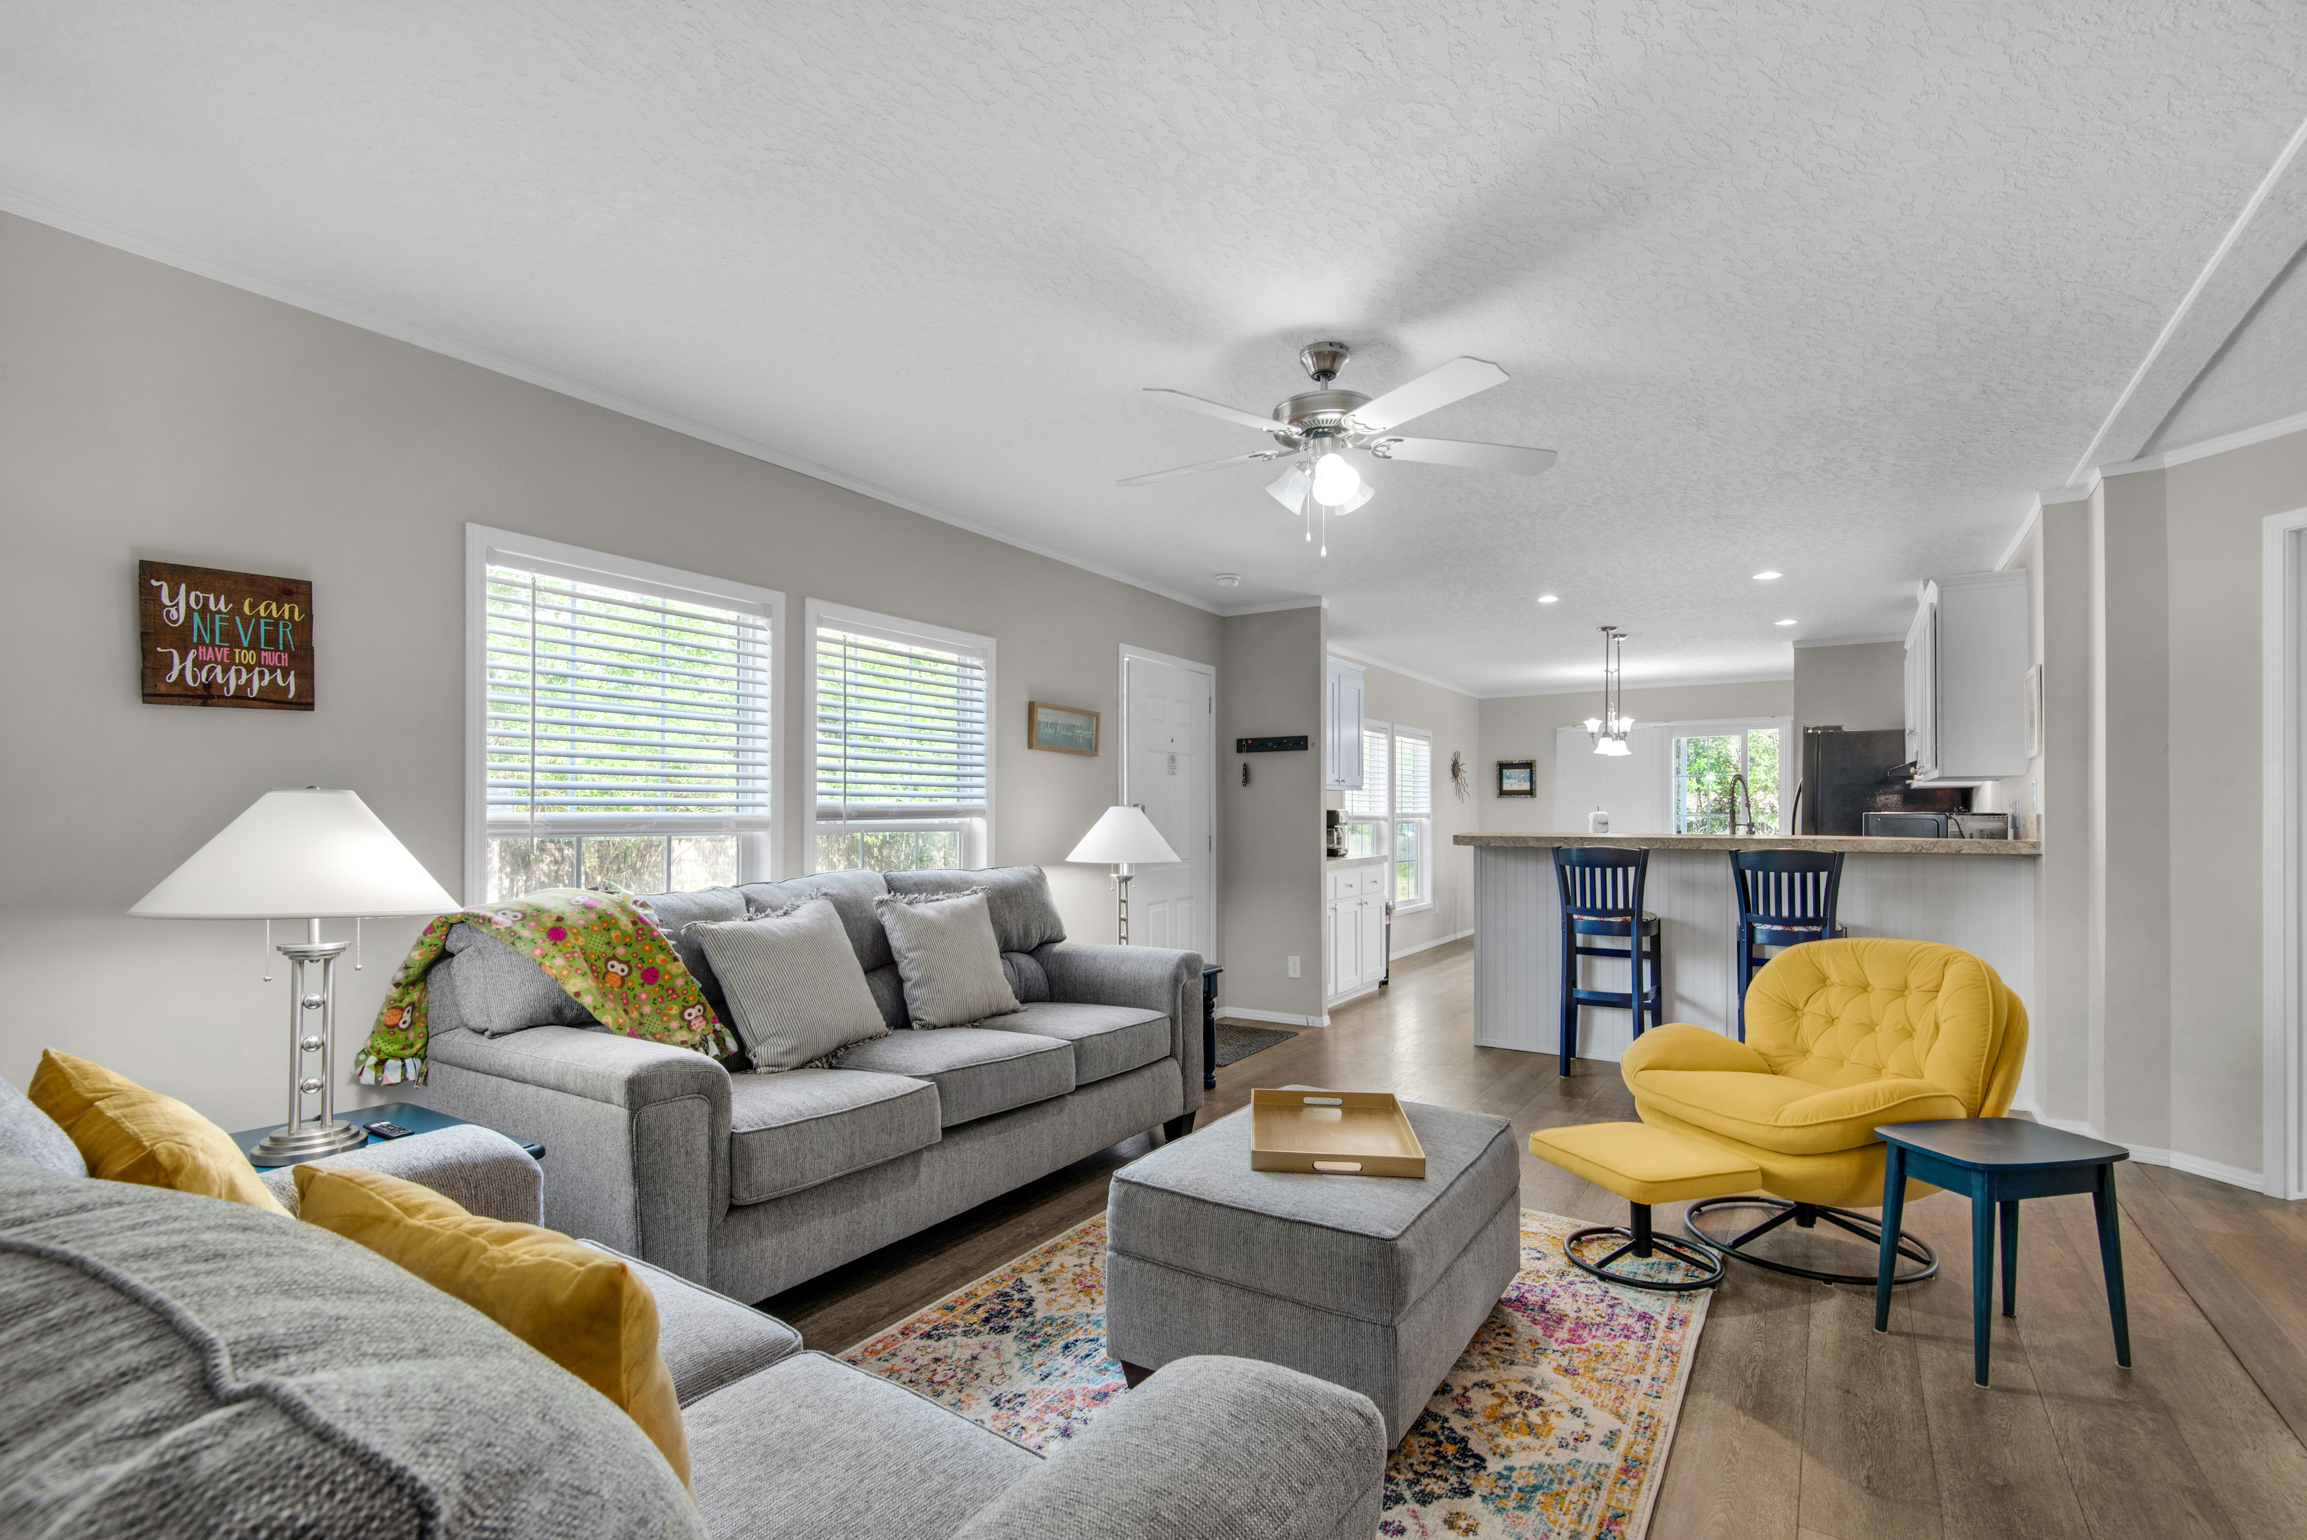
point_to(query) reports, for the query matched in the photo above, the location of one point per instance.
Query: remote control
(384, 1130)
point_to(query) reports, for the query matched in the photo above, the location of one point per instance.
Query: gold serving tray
(1342, 1133)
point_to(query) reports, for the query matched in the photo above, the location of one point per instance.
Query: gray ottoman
(1374, 1283)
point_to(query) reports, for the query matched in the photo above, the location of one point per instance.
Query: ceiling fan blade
(1454, 381)
(1480, 457)
(1233, 414)
(1207, 465)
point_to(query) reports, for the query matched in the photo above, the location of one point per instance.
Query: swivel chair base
(1805, 1216)
(1703, 1261)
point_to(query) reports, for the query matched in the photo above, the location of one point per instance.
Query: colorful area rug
(1554, 1423)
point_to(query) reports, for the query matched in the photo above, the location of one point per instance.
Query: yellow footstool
(1646, 1165)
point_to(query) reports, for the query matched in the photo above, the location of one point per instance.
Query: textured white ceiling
(2259, 377)
(1820, 286)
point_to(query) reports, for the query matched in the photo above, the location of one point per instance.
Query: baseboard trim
(1428, 946)
(1279, 1018)
(2153, 1155)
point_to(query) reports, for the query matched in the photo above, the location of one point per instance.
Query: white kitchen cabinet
(1342, 726)
(1357, 929)
(1966, 666)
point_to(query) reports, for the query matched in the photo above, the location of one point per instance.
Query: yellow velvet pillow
(584, 1309)
(128, 1134)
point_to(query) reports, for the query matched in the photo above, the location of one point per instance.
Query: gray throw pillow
(796, 994)
(948, 958)
(30, 1134)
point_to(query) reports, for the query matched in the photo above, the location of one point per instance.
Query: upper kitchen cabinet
(1966, 666)
(1342, 726)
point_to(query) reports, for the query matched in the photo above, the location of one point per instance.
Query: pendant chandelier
(1609, 730)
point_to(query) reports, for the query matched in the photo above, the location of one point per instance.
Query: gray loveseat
(177, 1365)
(752, 1183)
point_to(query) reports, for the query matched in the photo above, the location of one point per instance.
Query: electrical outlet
(1293, 967)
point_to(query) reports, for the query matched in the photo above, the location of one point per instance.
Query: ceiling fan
(1317, 429)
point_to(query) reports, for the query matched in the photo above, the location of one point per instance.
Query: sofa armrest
(1150, 978)
(478, 1168)
(1222, 1448)
(636, 1133)
(707, 1339)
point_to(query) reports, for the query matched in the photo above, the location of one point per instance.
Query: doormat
(1554, 1423)
(1236, 1043)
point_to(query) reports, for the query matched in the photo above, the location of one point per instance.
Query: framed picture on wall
(1517, 778)
(1060, 729)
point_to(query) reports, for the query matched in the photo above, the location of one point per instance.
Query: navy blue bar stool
(1785, 897)
(1602, 896)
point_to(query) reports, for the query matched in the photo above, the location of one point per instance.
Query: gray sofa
(177, 1365)
(753, 1183)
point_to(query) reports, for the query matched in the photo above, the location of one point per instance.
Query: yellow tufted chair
(1841, 1036)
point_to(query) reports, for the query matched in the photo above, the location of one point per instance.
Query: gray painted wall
(1859, 686)
(1455, 721)
(151, 413)
(1270, 847)
(1523, 727)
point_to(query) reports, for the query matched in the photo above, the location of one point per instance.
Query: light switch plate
(1293, 967)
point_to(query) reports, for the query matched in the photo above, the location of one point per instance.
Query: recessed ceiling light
(1549, 598)
(1764, 577)
(1229, 580)
(1784, 622)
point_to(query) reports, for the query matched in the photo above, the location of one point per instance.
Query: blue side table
(416, 1119)
(1998, 1162)
(1210, 974)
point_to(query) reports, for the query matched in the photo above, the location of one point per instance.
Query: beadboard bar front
(1933, 893)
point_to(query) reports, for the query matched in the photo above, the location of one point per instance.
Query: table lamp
(1123, 838)
(313, 855)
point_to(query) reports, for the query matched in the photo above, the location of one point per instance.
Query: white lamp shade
(1123, 837)
(299, 855)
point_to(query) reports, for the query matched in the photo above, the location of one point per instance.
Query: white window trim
(483, 545)
(1715, 727)
(818, 612)
(1394, 734)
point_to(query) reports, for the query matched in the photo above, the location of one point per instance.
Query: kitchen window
(1413, 885)
(901, 760)
(1392, 815)
(1368, 807)
(1707, 755)
(622, 722)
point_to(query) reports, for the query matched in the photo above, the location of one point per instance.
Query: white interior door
(1169, 717)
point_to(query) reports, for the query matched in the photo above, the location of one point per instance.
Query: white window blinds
(1413, 775)
(1370, 800)
(901, 726)
(613, 703)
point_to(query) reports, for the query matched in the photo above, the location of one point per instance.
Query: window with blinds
(903, 758)
(626, 729)
(1413, 816)
(1368, 804)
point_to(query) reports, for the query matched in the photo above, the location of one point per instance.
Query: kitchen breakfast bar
(1978, 894)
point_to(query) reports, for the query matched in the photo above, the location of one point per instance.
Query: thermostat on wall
(1268, 745)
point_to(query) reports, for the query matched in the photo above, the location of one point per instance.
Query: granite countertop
(1852, 843)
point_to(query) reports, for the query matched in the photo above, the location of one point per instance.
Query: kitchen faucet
(1739, 788)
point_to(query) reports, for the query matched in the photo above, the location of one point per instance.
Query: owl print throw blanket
(600, 947)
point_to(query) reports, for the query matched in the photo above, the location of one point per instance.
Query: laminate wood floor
(1801, 1423)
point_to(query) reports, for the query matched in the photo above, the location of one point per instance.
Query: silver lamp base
(306, 1141)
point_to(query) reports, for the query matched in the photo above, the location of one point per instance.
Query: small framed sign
(1060, 729)
(1517, 778)
(211, 638)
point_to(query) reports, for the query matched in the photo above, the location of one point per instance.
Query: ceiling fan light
(1289, 488)
(1335, 481)
(1364, 495)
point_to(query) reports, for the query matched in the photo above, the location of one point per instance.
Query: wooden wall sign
(214, 638)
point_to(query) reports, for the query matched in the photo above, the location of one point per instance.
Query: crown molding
(1595, 686)
(1849, 641)
(1394, 668)
(1278, 604)
(2242, 438)
(135, 243)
